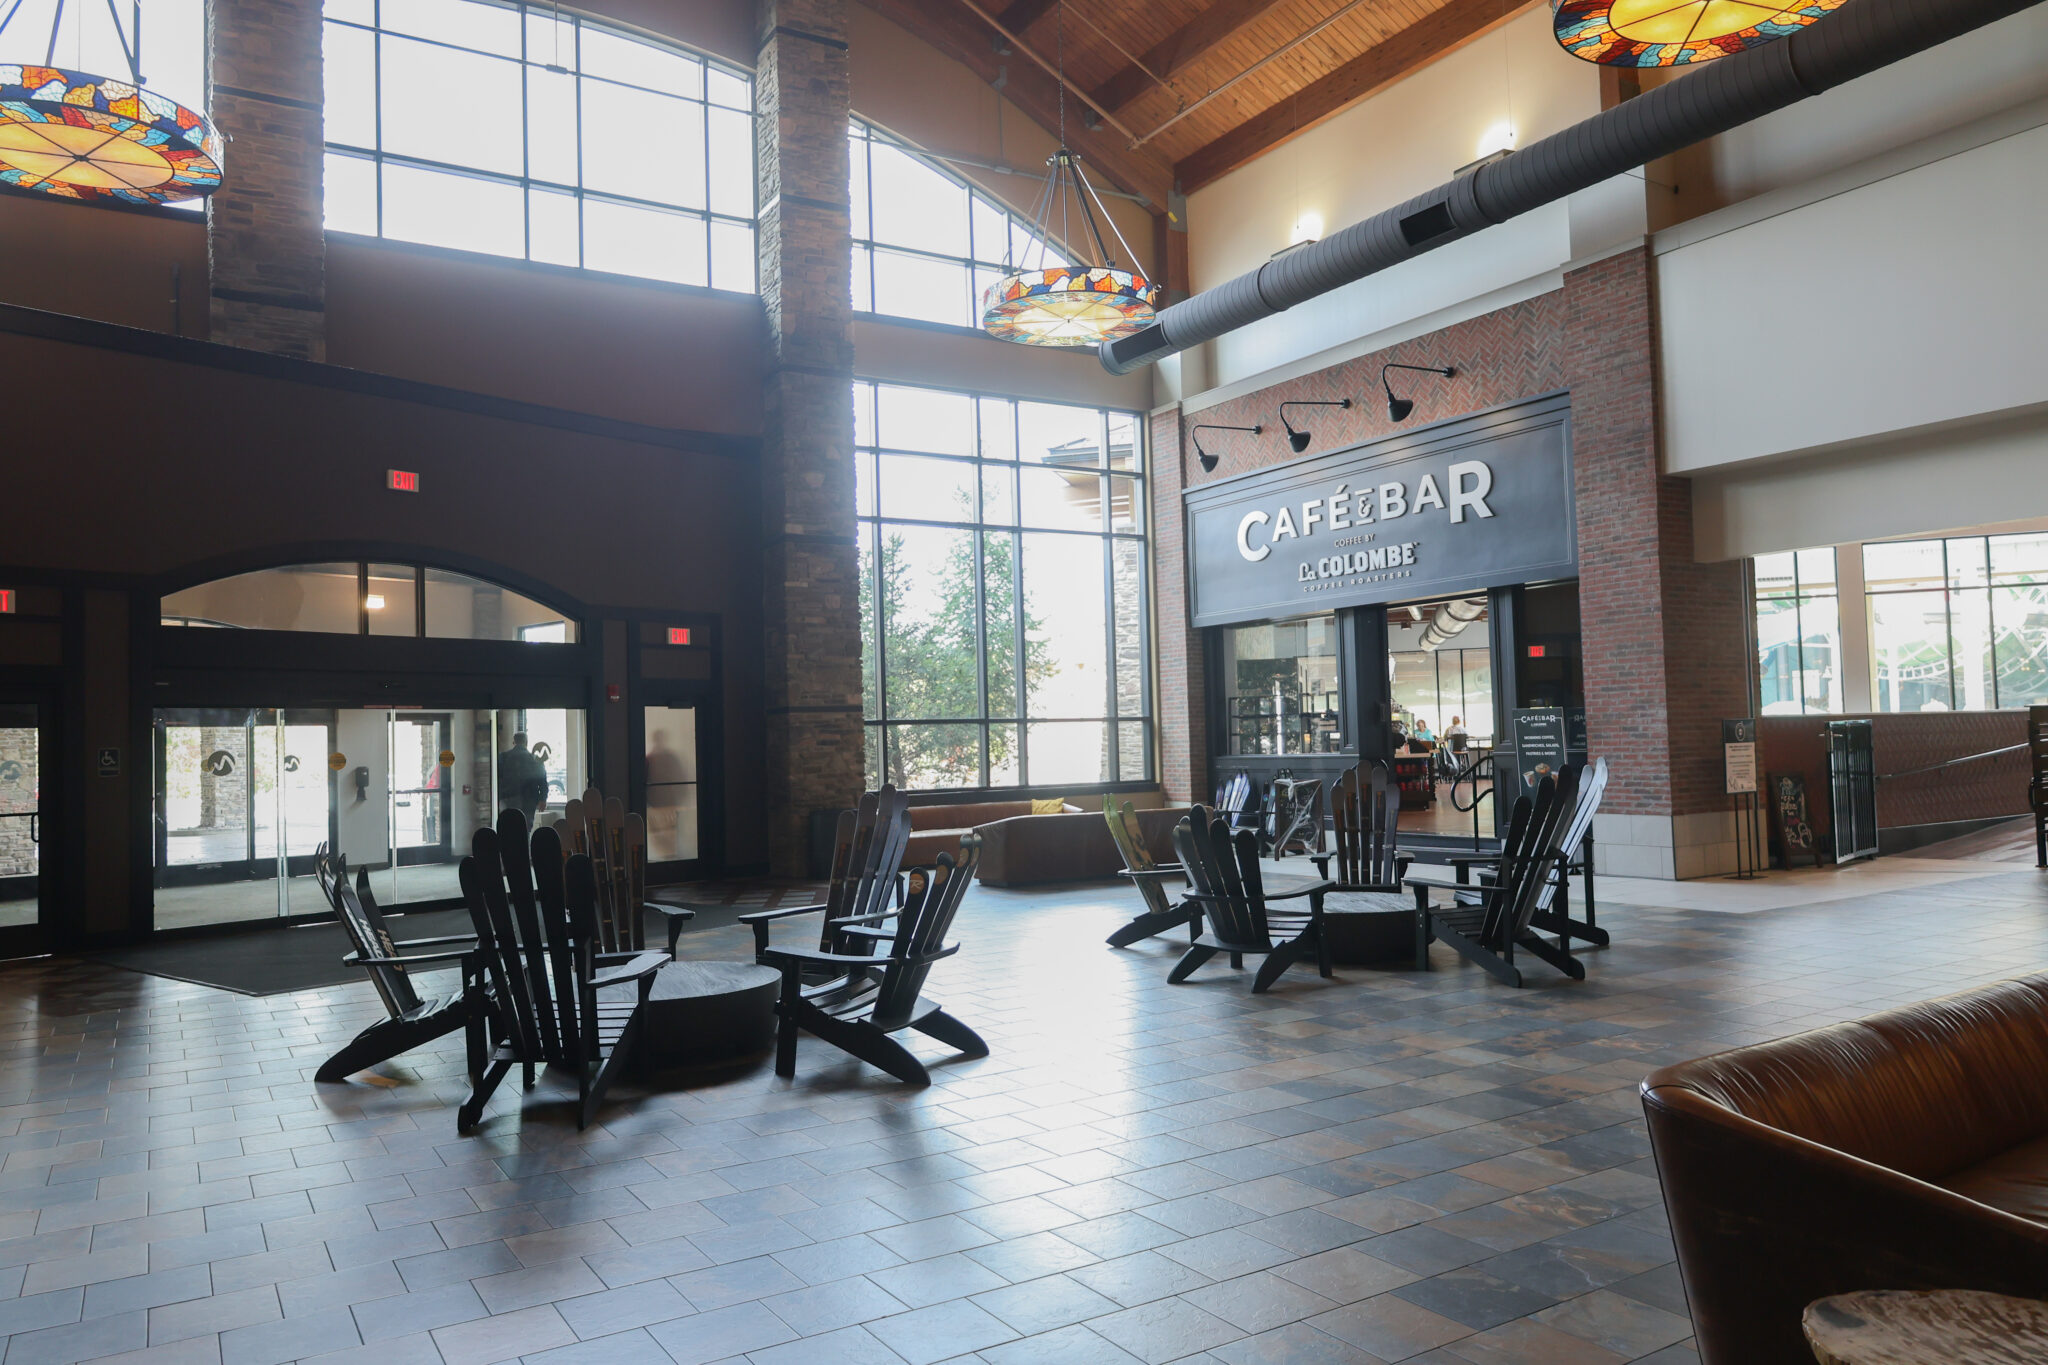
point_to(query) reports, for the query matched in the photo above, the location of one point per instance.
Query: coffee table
(704, 1013)
(1926, 1327)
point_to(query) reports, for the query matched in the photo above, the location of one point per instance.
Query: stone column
(1664, 637)
(811, 611)
(1183, 679)
(266, 248)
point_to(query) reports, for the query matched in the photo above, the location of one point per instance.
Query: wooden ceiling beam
(958, 34)
(1399, 56)
(1180, 49)
(1022, 14)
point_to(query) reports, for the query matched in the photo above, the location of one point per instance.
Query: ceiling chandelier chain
(75, 135)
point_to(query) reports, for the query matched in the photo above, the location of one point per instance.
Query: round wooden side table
(1926, 1327)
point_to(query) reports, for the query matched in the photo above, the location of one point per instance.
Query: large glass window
(368, 599)
(1959, 624)
(925, 242)
(1280, 687)
(1003, 592)
(173, 50)
(520, 130)
(1798, 634)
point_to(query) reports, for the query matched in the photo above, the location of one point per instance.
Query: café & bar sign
(1477, 502)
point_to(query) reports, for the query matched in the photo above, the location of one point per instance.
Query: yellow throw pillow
(1050, 806)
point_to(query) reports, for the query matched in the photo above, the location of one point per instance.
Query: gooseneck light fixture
(1208, 460)
(1300, 439)
(1399, 408)
(1043, 302)
(80, 136)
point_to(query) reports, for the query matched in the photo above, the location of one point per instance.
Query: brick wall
(1665, 639)
(266, 247)
(811, 607)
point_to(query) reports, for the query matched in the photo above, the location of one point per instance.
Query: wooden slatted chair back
(1592, 786)
(1223, 866)
(1528, 856)
(1366, 816)
(366, 931)
(535, 914)
(1130, 844)
(867, 855)
(933, 900)
(616, 843)
(1234, 799)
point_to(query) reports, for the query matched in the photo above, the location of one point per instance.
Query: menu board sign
(1738, 756)
(1540, 749)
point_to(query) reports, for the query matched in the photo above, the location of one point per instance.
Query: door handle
(35, 828)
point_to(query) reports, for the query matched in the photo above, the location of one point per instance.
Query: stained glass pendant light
(81, 136)
(1675, 32)
(1075, 303)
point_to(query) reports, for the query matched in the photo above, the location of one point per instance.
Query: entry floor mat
(272, 960)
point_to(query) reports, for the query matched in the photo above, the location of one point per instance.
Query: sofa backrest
(1927, 1090)
(965, 816)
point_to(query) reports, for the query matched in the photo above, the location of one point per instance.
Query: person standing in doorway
(522, 779)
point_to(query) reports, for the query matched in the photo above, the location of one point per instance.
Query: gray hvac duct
(1853, 41)
(1450, 620)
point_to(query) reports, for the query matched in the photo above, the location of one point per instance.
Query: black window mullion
(526, 134)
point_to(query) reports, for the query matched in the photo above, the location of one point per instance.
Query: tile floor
(1390, 1166)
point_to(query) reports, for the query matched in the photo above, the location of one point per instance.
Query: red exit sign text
(1538, 651)
(679, 635)
(6, 601)
(402, 480)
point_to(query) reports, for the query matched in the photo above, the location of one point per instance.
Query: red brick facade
(1665, 639)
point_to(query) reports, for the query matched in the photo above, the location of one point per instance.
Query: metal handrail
(1471, 770)
(1952, 762)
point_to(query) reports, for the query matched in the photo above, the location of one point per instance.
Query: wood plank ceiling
(1189, 90)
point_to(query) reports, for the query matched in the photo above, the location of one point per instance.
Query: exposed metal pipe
(1451, 618)
(1861, 37)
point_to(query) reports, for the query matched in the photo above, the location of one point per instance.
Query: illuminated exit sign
(1538, 651)
(6, 601)
(402, 480)
(679, 635)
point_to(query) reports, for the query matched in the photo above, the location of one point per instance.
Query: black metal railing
(1471, 772)
(1952, 762)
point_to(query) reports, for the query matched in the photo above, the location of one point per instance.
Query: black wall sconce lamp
(1300, 439)
(1399, 408)
(1208, 460)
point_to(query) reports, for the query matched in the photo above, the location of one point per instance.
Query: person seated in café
(1452, 755)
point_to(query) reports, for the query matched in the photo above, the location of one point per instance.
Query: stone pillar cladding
(811, 611)
(1665, 639)
(266, 246)
(1182, 680)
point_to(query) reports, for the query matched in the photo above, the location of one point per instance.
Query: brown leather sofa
(1019, 848)
(1908, 1150)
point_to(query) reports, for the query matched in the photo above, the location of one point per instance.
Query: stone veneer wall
(811, 568)
(266, 245)
(1665, 639)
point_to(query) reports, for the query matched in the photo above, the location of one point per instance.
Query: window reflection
(1280, 687)
(1959, 623)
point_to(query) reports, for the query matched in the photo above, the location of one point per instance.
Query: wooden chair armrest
(1163, 871)
(763, 916)
(869, 919)
(409, 959)
(868, 931)
(1476, 860)
(636, 966)
(434, 942)
(794, 959)
(672, 911)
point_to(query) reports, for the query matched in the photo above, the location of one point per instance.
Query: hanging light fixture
(1399, 408)
(1077, 303)
(1663, 33)
(80, 136)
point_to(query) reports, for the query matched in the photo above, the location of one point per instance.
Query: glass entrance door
(671, 785)
(420, 807)
(23, 746)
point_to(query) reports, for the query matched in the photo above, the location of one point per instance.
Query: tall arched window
(521, 130)
(359, 598)
(925, 242)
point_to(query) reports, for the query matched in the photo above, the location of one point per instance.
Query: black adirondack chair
(413, 1020)
(871, 996)
(867, 854)
(1150, 878)
(1488, 927)
(1365, 814)
(1223, 869)
(1574, 856)
(537, 940)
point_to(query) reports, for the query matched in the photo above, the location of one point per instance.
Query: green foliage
(934, 653)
